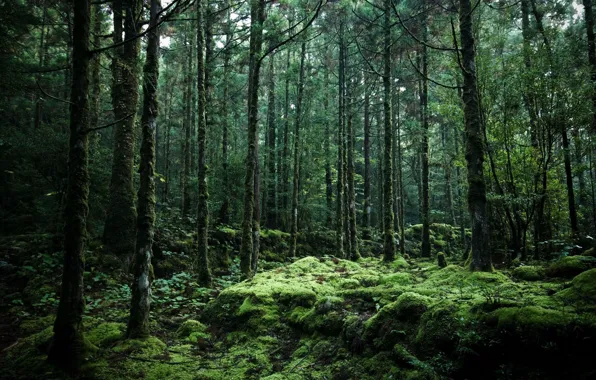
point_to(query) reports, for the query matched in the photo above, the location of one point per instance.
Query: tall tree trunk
(341, 237)
(224, 211)
(257, 13)
(204, 272)
(138, 323)
(327, 148)
(366, 205)
(354, 253)
(400, 179)
(271, 189)
(285, 157)
(119, 231)
(296, 180)
(186, 156)
(388, 240)
(95, 68)
(425, 211)
(481, 255)
(68, 344)
(569, 182)
(41, 60)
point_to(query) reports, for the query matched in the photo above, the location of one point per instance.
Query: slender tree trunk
(425, 251)
(388, 240)
(354, 253)
(327, 147)
(341, 242)
(204, 272)
(589, 16)
(481, 255)
(224, 211)
(400, 179)
(42, 53)
(285, 159)
(95, 69)
(569, 182)
(366, 209)
(296, 180)
(119, 231)
(257, 11)
(68, 344)
(186, 156)
(271, 189)
(138, 323)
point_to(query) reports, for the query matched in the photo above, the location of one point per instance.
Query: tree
(138, 326)
(480, 255)
(68, 344)
(119, 230)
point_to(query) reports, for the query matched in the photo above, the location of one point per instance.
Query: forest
(297, 189)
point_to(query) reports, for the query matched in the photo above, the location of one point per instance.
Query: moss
(399, 263)
(438, 327)
(148, 347)
(528, 273)
(401, 278)
(36, 325)
(570, 266)
(105, 333)
(582, 289)
(590, 252)
(29, 354)
(192, 331)
(454, 275)
(441, 260)
(529, 319)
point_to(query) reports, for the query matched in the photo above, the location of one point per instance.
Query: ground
(314, 318)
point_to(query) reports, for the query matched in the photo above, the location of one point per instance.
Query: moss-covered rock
(193, 331)
(582, 289)
(35, 325)
(528, 273)
(590, 252)
(570, 266)
(105, 333)
(438, 327)
(148, 347)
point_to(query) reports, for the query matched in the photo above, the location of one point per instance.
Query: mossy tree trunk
(425, 212)
(366, 204)
(285, 156)
(340, 230)
(257, 12)
(270, 198)
(400, 179)
(95, 68)
(481, 256)
(204, 272)
(224, 211)
(354, 253)
(296, 179)
(68, 344)
(327, 149)
(138, 322)
(186, 125)
(119, 230)
(388, 240)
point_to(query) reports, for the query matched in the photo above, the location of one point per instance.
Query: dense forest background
(202, 142)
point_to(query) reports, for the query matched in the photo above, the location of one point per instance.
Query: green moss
(34, 326)
(590, 252)
(528, 273)
(530, 319)
(105, 333)
(148, 347)
(439, 325)
(401, 278)
(582, 289)
(399, 263)
(29, 354)
(570, 266)
(192, 331)
(441, 260)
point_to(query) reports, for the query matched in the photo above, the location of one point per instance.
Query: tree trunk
(340, 155)
(589, 16)
(257, 12)
(285, 157)
(353, 253)
(138, 323)
(388, 240)
(204, 272)
(95, 69)
(224, 211)
(425, 211)
(119, 231)
(327, 147)
(296, 180)
(569, 182)
(68, 344)
(186, 156)
(481, 256)
(400, 180)
(366, 205)
(271, 189)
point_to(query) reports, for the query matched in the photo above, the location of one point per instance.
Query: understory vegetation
(314, 317)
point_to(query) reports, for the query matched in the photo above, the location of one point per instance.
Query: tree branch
(50, 96)
(109, 125)
(430, 80)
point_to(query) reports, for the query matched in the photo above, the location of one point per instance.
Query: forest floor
(312, 318)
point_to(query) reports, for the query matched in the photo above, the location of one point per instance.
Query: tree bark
(388, 240)
(425, 211)
(68, 344)
(296, 179)
(366, 205)
(354, 253)
(271, 189)
(138, 323)
(224, 211)
(340, 230)
(204, 272)
(119, 231)
(257, 12)
(481, 256)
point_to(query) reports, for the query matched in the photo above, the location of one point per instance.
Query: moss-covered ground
(318, 318)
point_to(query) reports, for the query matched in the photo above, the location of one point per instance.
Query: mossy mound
(570, 266)
(528, 273)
